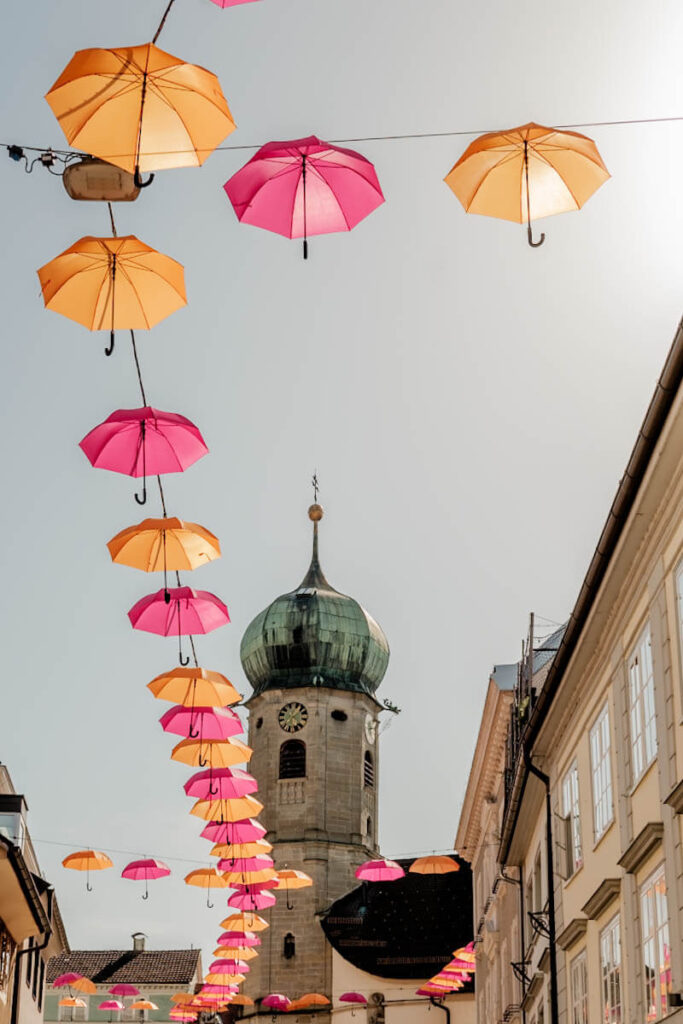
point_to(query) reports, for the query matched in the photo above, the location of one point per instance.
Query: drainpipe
(30, 949)
(441, 1006)
(550, 873)
(522, 940)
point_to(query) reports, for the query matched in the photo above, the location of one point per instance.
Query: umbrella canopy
(142, 871)
(111, 1005)
(140, 108)
(124, 990)
(433, 866)
(229, 967)
(380, 871)
(71, 1001)
(194, 687)
(244, 922)
(227, 810)
(143, 1004)
(221, 783)
(231, 850)
(218, 754)
(156, 545)
(188, 612)
(290, 879)
(205, 723)
(146, 440)
(276, 1001)
(304, 187)
(256, 880)
(206, 878)
(240, 999)
(229, 979)
(224, 4)
(251, 900)
(239, 938)
(113, 284)
(223, 990)
(353, 997)
(246, 831)
(234, 953)
(64, 980)
(84, 985)
(527, 172)
(259, 862)
(310, 999)
(87, 860)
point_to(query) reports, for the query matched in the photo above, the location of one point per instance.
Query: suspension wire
(163, 21)
(111, 218)
(400, 137)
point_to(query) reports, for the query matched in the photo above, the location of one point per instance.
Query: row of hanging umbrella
(79, 982)
(453, 975)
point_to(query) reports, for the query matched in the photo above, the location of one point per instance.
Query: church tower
(314, 658)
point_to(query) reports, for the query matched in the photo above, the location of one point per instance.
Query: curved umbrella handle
(534, 245)
(139, 183)
(290, 906)
(88, 887)
(146, 896)
(208, 901)
(212, 791)
(110, 347)
(183, 661)
(142, 500)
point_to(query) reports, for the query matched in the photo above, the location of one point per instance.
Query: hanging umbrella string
(108, 351)
(137, 367)
(303, 175)
(163, 20)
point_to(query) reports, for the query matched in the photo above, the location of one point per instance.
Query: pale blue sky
(469, 403)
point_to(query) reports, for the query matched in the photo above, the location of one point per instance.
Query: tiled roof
(144, 967)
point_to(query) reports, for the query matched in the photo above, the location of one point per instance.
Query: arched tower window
(289, 946)
(293, 760)
(368, 828)
(368, 770)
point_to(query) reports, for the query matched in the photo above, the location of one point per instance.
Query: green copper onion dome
(315, 636)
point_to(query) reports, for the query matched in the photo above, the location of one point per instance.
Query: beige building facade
(589, 794)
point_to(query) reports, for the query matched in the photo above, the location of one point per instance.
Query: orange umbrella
(289, 879)
(194, 687)
(250, 877)
(167, 543)
(526, 173)
(142, 1005)
(87, 860)
(71, 1001)
(466, 953)
(308, 1000)
(84, 985)
(227, 809)
(182, 997)
(114, 284)
(241, 1000)
(219, 754)
(244, 922)
(433, 866)
(223, 979)
(140, 108)
(206, 878)
(235, 953)
(230, 851)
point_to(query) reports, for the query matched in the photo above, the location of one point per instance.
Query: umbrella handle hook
(110, 347)
(193, 734)
(142, 500)
(208, 901)
(203, 763)
(146, 896)
(212, 791)
(88, 886)
(139, 183)
(534, 245)
(182, 660)
(290, 906)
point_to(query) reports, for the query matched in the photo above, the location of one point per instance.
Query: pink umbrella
(353, 997)
(229, 967)
(113, 1005)
(230, 3)
(218, 990)
(304, 187)
(222, 783)
(179, 611)
(206, 723)
(236, 939)
(124, 990)
(142, 442)
(380, 871)
(247, 830)
(64, 980)
(272, 883)
(139, 871)
(276, 1001)
(251, 900)
(235, 865)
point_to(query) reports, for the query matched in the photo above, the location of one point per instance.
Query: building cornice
(675, 798)
(574, 931)
(637, 852)
(604, 895)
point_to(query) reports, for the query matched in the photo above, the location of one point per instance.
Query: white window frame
(641, 706)
(579, 988)
(654, 937)
(610, 972)
(571, 812)
(601, 774)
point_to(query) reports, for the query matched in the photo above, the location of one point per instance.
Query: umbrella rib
(547, 162)
(505, 158)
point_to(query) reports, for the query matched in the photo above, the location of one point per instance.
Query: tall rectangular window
(570, 813)
(601, 770)
(610, 968)
(654, 924)
(641, 699)
(579, 979)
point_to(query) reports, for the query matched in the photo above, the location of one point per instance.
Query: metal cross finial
(316, 486)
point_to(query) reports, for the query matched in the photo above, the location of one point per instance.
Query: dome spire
(315, 577)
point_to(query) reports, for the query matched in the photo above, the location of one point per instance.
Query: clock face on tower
(292, 716)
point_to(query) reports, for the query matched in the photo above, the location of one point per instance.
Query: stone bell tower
(314, 658)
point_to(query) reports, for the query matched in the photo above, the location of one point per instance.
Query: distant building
(157, 973)
(315, 659)
(31, 928)
(586, 811)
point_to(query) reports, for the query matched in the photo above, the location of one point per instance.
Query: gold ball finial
(315, 513)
